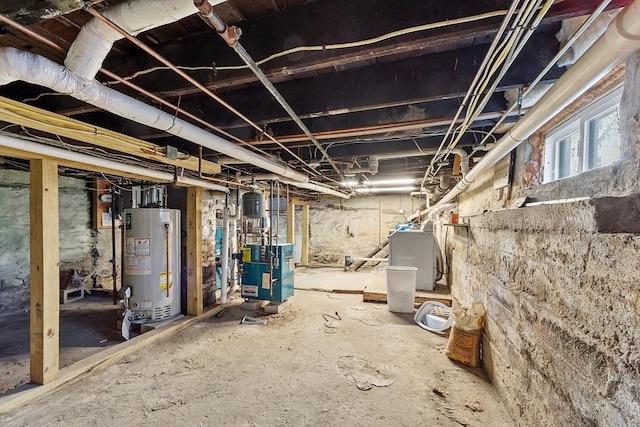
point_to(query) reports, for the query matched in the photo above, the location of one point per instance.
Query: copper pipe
(228, 183)
(377, 129)
(232, 35)
(190, 79)
(133, 86)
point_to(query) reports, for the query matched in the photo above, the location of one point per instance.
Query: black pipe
(114, 266)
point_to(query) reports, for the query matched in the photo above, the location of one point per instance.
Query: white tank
(152, 263)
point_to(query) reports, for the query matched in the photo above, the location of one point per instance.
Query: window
(586, 141)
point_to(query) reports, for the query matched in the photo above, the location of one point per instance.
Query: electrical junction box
(268, 273)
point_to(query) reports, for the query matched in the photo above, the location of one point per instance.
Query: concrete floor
(86, 327)
(301, 368)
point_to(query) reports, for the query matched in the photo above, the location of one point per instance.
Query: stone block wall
(77, 243)
(355, 226)
(563, 306)
(560, 288)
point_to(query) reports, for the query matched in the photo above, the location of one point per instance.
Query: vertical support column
(194, 251)
(291, 221)
(305, 235)
(44, 323)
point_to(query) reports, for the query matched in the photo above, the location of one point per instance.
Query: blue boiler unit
(267, 272)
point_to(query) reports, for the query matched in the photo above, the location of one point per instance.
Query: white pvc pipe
(616, 44)
(314, 186)
(224, 257)
(54, 152)
(31, 68)
(94, 42)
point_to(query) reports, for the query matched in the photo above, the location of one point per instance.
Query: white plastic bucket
(401, 288)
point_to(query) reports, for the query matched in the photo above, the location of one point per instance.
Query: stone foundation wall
(353, 227)
(559, 284)
(77, 243)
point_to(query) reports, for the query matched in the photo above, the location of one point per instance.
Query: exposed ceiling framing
(360, 97)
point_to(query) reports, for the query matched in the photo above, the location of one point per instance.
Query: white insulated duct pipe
(31, 68)
(621, 38)
(314, 186)
(54, 152)
(94, 42)
(374, 161)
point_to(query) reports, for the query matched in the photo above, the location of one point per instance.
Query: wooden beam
(310, 24)
(304, 258)
(44, 330)
(194, 251)
(36, 118)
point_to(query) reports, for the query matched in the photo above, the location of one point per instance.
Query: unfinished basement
(320, 212)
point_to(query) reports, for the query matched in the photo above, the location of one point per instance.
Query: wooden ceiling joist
(36, 118)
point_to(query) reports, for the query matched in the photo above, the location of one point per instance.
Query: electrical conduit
(621, 38)
(139, 171)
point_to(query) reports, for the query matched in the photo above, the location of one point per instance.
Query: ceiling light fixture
(372, 190)
(382, 182)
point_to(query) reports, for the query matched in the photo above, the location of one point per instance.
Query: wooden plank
(100, 360)
(36, 118)
(376, 292)
(44, 323)
(456, 165)
(194, 251)
(304, 258)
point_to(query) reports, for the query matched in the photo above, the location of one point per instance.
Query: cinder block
(252, 305)
(66, 295)
(277, 307)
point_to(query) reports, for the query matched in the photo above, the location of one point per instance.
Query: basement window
(588, 140)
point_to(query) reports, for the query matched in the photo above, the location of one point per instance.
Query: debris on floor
(246, 320)
(437, 390)
(365, 376)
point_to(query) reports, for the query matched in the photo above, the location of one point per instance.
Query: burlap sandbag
(465, 338)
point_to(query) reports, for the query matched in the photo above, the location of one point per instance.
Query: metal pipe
(32, 68)
(94, 42)
(314, 186)
(114, 264)
(35, 148)
(224, 256)
(378, 129)
(232, 35)
(191, 80)
(621, 38)
(131, 85)
(550, 65)
(476, 78)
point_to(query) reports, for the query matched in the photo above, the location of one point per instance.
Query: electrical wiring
(569, 43)
(333, 46)
(526, 21)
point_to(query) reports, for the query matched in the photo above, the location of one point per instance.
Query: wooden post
(44, 324)
(194, 251)
(456, 165)
(304, 258)
(291, 221)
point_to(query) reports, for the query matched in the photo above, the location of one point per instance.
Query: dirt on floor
(306, 366)
(87, 327)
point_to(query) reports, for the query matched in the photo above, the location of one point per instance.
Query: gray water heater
(253, 204)
(151, 263)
